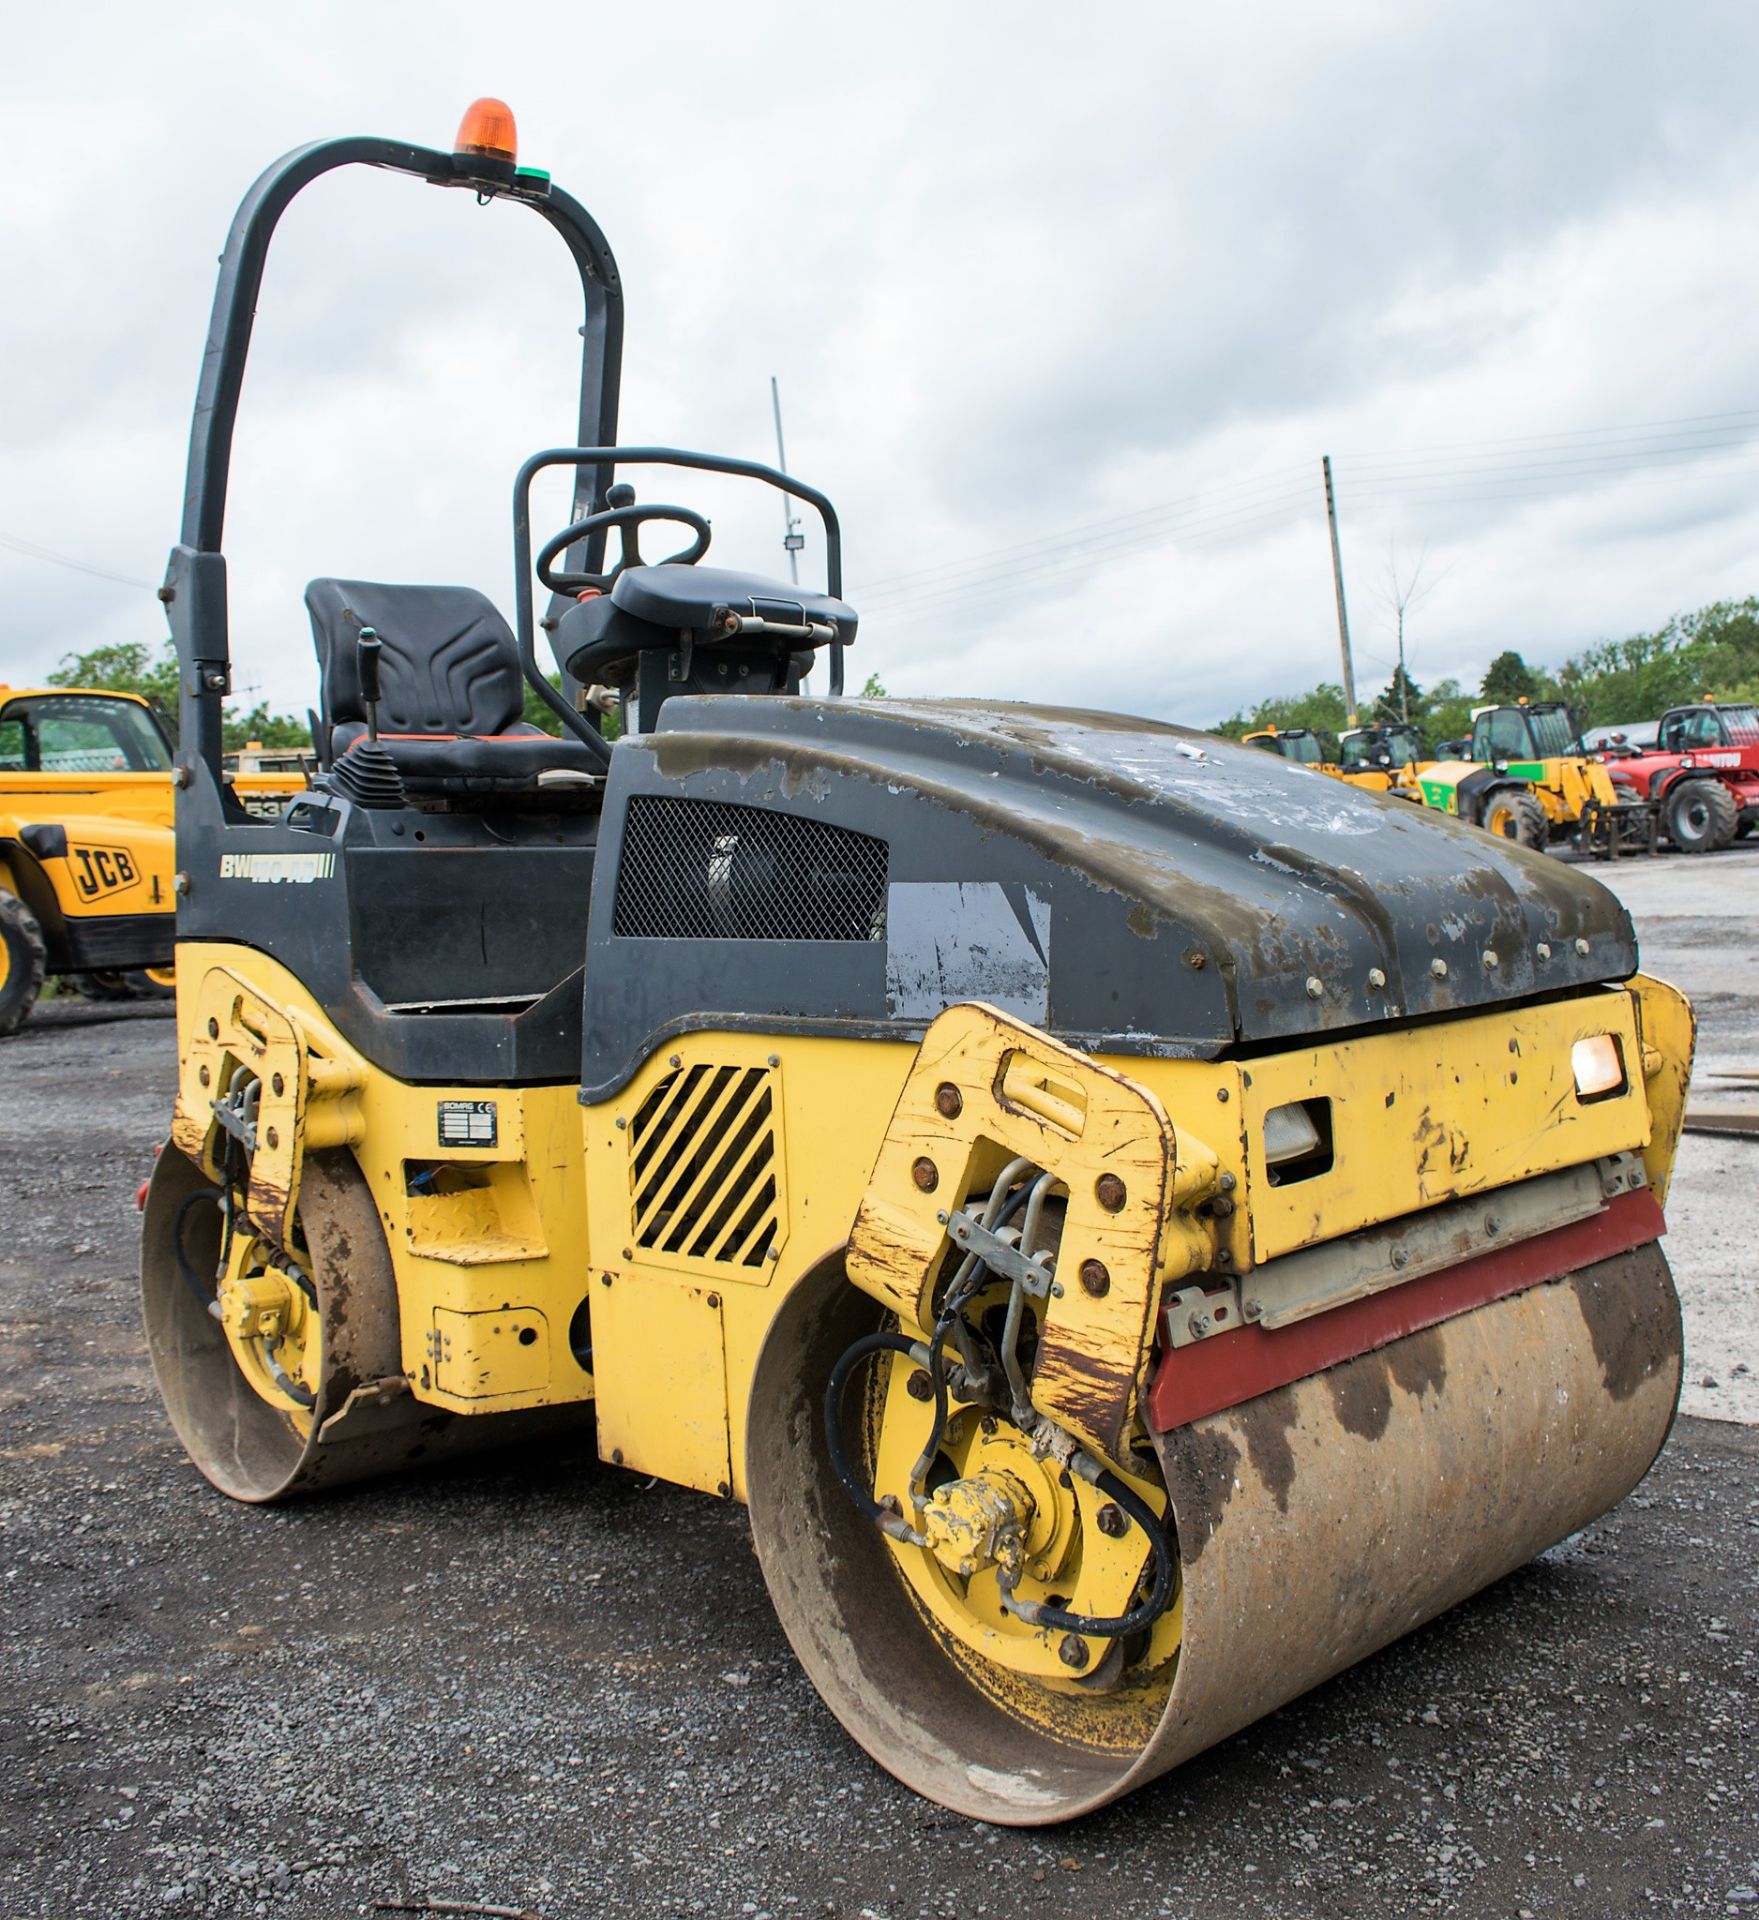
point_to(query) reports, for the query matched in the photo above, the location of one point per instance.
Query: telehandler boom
(1140, 1228)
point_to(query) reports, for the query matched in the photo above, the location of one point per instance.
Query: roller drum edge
(247, 1448)
(1316, 1525)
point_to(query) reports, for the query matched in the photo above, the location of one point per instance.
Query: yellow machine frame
(497, 1249)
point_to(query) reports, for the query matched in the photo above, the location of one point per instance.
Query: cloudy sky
(1065, 304)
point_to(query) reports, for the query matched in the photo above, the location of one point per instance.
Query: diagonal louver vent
(711, 870)
(705, 1170)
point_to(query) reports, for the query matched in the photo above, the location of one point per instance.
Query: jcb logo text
(101, 870)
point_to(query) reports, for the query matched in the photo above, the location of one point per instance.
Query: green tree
(540, 714)
(1402, 700)
(263, 728)
(873, 689)
(1448, 713)
(1713, 651)
(1636, 678)
(1725, 639)
(1321, 708)
(1508, 679)
(133, 666)
(127, 666)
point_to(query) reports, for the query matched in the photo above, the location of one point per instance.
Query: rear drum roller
(281, 1367)
(1313, 1525)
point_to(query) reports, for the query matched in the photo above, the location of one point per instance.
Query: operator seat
(451, 690)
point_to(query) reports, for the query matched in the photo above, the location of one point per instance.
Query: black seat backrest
(448, 663)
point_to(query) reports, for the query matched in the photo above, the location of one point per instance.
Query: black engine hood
(1131, 885)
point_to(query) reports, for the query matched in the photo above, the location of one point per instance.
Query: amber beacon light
(488, 141)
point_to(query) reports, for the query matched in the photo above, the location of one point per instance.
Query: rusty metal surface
(1320, 1522)
(365, 1422)
(1316, 1525)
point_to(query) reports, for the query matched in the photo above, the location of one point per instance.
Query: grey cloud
(1014, 276)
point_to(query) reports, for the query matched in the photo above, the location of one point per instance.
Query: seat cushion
(509, 762)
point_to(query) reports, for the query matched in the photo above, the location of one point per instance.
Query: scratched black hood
(1128, 884)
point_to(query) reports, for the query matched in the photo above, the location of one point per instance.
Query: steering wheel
(628, 518)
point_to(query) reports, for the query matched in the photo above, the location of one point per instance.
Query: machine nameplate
(468, 1123)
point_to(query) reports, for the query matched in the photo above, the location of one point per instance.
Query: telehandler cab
(1138, 1228)
(1301, 746)
(1382, 759)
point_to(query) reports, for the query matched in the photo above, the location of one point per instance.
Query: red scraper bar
(1229, 1368)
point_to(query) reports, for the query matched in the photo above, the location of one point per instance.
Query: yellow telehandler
(85, 845)
(86, 871)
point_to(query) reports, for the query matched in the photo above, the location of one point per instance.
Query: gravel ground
(538, 1683)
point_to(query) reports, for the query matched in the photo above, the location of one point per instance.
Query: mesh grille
(702, 1169)
(709, 870)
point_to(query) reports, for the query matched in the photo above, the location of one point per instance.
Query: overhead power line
(1704, 420)
(49, 557)
(1516, 483)
(1275, 479)
(1046, 576)
(1560, 458)
(1528, 466)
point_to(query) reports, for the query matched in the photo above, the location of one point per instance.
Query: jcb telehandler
(1139, 1229)
(1300, 746)
(1382, 758)
(1530, 779)
(85, 846)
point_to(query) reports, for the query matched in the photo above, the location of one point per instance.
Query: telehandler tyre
(22, 959)
(1515, 815)
(1700, 816)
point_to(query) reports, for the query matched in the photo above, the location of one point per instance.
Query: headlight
(1599, 1067)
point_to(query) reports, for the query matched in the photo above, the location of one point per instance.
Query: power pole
(792, 539)
(1337, 574)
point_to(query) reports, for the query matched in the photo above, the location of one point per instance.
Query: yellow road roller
(1138, 1227)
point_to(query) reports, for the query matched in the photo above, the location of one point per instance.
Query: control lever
(623, 495)
(368, 649)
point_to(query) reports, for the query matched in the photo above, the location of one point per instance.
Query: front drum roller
(1314, 1525)
(321, 1400)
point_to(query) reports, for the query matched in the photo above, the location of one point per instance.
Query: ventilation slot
(704, 1173)
(709, 870)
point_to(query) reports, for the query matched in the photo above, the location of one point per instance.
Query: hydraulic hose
(841, 1464)
(1146, 1611)
(970, 1277)
(966, 1282)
